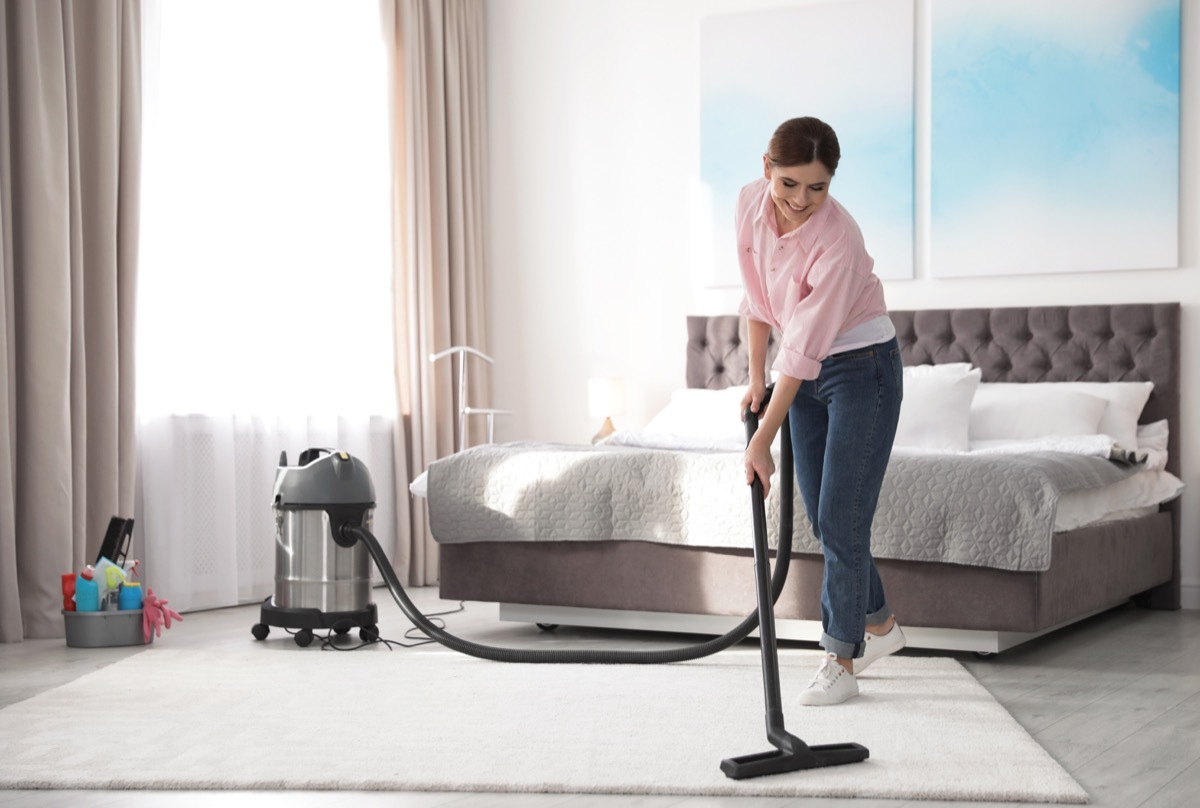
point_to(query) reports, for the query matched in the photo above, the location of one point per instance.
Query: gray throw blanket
(983, 510)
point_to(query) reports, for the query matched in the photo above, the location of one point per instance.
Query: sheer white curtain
(264, 310)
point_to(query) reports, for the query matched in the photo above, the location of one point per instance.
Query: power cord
(330, 640)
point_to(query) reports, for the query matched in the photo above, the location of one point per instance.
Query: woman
(807, 273)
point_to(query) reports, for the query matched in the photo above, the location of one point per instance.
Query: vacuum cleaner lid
(333, 478)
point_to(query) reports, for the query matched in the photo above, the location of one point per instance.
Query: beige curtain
(439, 142)
(70, 117)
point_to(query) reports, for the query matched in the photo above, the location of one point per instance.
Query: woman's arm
(758, 458)
(758, 454)
(759, 333)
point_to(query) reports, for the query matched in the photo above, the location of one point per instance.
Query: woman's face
(797, 190)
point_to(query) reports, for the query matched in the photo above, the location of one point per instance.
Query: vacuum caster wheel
(304, 638)
(260, 631)
(340, 629)
(369, 633)
(547, 626)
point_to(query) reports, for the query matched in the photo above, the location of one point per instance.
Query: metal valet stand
(790, 753)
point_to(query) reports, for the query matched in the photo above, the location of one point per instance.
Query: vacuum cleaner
(323, 513)
(320, 584)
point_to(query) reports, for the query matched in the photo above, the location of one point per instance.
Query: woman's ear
(766, 166)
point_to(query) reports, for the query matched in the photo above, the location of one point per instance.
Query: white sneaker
(833, 684)
(879, 646)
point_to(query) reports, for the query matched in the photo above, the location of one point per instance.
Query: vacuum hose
(352, 532)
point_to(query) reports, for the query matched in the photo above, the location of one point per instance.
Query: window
(265, 265)
(264, 300)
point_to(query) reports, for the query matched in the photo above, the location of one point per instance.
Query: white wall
(594, 126)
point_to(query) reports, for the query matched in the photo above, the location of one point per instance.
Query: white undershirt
(872, 332)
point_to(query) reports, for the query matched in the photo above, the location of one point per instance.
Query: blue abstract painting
(847, 63)
(1054, 139)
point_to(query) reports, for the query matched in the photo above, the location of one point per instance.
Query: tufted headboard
(1124, 342)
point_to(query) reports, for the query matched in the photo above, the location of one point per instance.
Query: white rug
(437, 721)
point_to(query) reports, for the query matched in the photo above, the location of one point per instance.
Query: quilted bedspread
(993, 510)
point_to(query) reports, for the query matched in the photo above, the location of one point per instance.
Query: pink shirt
(811, 284)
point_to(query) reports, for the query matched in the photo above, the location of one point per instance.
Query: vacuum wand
(790, 753)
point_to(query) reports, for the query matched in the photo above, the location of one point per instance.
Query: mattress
(934, 507)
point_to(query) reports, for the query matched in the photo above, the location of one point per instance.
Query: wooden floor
(1115, 699)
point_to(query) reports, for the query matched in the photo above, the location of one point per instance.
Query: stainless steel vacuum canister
(312, 500)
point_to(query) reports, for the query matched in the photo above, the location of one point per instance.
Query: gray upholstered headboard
(1125, 342)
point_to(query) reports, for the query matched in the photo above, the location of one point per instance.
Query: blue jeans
(843, 424)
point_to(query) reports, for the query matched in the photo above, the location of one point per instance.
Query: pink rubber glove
(156, 614)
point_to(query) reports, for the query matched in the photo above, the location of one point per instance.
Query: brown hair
(799, 141)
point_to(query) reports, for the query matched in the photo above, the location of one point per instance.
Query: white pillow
(1007, 411)
(1152, 439)
(1043, 408)
(936, 410)
(1126, 400)
(1153, 436)
(699, 413)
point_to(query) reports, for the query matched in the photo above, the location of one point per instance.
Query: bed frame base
(941, 639)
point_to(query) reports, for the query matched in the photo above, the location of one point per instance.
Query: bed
(655, 584)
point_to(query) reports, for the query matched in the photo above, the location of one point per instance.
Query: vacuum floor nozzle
(801, 756)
